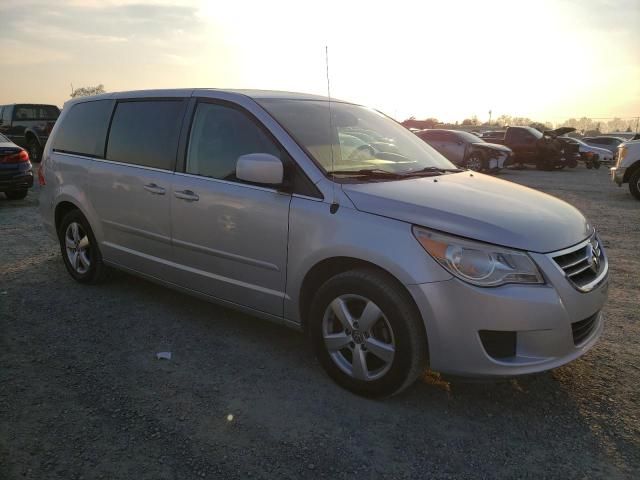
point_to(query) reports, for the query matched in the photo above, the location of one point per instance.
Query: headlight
(478, 263)
(622, 152)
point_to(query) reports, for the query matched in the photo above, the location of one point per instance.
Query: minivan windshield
(355, 140)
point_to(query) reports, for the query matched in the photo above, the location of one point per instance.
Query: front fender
(316, 235)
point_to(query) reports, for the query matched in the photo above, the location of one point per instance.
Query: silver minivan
(328, 217)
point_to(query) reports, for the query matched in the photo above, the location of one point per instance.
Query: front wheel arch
(328, 268)
(630, 171)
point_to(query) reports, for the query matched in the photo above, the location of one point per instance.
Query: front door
(229, 237)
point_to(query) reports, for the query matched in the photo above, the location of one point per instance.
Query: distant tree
(628, 130)
(616, 125)
(504, 120)
(471, 121)
(88, 91)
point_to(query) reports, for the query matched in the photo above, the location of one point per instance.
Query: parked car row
(518, 146)
(547, 150)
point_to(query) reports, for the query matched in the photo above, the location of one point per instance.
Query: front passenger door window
(219, 135)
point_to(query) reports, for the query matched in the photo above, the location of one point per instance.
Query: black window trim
(289, 161)
(89, 155)
(117, 101)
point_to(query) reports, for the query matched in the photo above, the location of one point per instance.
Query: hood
(478, 207)
(492, 146)
(559, 131)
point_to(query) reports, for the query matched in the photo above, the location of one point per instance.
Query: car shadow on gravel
(85, 394)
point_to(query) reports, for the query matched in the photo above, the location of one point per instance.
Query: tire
(17, 194)
(596, 164)
(589, 165)
(634, 184)
(394, 329)
(34, 149)
(86, 265)
(475, 162)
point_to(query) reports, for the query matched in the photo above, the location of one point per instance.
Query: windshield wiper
(369, 173)
(427, 171)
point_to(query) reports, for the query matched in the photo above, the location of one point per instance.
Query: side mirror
(262, 168)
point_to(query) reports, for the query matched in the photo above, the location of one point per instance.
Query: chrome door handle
(155, 189)
(187, 195)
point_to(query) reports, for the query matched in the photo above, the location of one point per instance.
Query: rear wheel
(34, 149)
(634, 184)
(367, 333)
(16, 194)
(596, 164)
(79, 249)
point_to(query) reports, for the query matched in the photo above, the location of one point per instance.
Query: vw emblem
(594, 256)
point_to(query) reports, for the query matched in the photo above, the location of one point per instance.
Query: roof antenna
(334, 205)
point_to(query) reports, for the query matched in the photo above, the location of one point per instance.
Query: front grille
(498, 344)
(582, 329)
(583, 264)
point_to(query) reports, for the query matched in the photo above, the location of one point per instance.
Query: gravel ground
(83, 396)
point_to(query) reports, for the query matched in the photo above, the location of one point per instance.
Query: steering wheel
(363, 152)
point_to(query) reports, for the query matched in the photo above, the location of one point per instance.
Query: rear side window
(146, 133)
(6, 115)
(221, 134)
(84, 128)
(36, 112)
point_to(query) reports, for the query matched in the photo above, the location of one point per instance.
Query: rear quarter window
(146, 133)
(84, 128)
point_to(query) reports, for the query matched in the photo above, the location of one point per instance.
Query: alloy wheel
(358, 337)
(474, 163)
(78, 248)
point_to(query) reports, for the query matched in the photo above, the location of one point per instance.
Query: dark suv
(28, 125)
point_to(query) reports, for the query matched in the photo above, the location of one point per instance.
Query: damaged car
(467, 150)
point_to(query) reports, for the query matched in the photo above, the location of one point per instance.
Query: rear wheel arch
(29, 135)
(62, 209)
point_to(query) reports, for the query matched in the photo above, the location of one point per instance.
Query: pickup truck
(627, 168)
(28, 125)
(544, 150)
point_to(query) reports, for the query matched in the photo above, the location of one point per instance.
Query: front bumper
(543, 321)
(617, 174)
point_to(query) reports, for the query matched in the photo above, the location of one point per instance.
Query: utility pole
(490, 117)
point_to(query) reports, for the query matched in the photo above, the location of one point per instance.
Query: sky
(543, 59)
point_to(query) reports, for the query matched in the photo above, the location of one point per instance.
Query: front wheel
(634, 184)
(475, 162)
(367, 333)
(79, 249)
